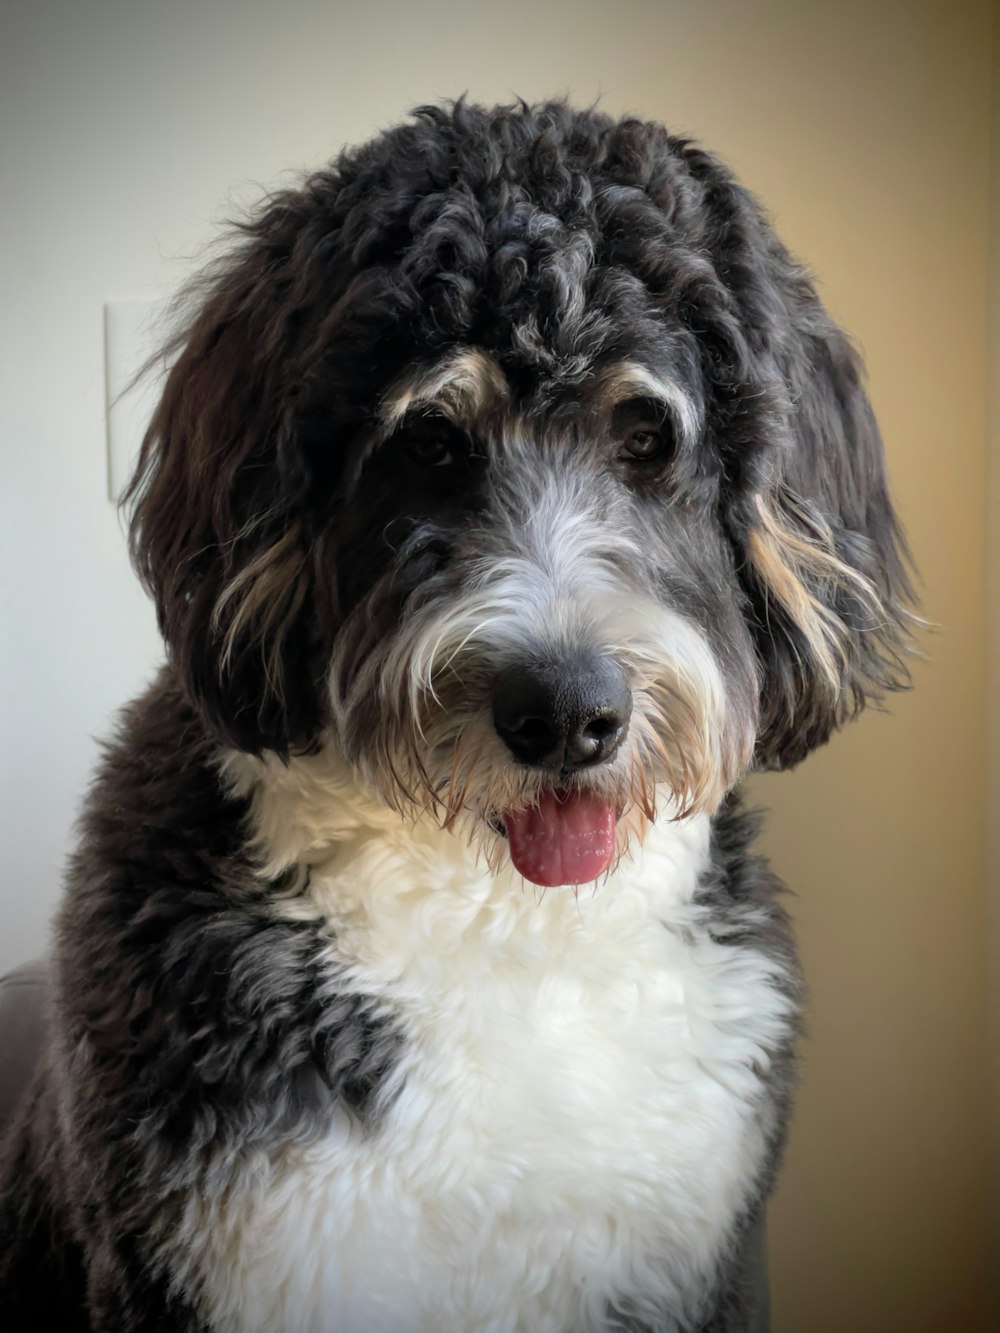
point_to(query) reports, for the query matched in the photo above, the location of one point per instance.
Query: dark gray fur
(191, 1023)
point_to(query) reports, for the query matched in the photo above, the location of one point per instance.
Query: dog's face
(543, 618)
(515, 457)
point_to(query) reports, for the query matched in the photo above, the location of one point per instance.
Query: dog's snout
(563, 716)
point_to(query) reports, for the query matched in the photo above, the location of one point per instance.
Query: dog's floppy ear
(825, 560)
(215, 528)
(821, 554)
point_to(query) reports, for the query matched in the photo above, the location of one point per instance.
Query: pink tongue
(567, 838)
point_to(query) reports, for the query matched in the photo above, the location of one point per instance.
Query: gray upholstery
(24, 1002)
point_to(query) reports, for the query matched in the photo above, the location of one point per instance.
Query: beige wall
(864, 126)
(880, 1219)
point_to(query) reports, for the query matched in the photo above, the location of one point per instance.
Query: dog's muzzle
(563, 717)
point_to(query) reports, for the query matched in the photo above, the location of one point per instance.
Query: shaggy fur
(502, 391)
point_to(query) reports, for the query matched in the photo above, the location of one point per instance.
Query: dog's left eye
(642, 433)
(643, 444)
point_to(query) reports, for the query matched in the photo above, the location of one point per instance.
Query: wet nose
(564, 716)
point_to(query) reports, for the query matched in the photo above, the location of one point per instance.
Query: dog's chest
(575, 1124)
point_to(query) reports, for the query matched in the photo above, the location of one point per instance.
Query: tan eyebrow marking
(462, 387)
(628, 379)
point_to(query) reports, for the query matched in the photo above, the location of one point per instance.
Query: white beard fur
(577, 1114)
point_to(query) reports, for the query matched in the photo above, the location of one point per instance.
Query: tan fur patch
(462, 387)
(267, 595)
(797, 562)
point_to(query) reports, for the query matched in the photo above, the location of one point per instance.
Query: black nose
(563, 715)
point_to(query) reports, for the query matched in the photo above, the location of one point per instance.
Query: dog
(510, 498)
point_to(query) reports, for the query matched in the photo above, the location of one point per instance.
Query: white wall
(129, 129)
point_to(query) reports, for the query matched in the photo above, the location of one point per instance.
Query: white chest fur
(576, 1121)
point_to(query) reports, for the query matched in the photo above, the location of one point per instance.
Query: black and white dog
(510, 497)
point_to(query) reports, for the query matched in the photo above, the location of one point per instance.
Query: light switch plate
(133, 333)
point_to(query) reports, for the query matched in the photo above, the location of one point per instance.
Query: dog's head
(515, 456)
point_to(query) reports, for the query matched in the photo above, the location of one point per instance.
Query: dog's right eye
(431, 452)
(432, 442)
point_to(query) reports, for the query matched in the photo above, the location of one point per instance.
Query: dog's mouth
(566, 837)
